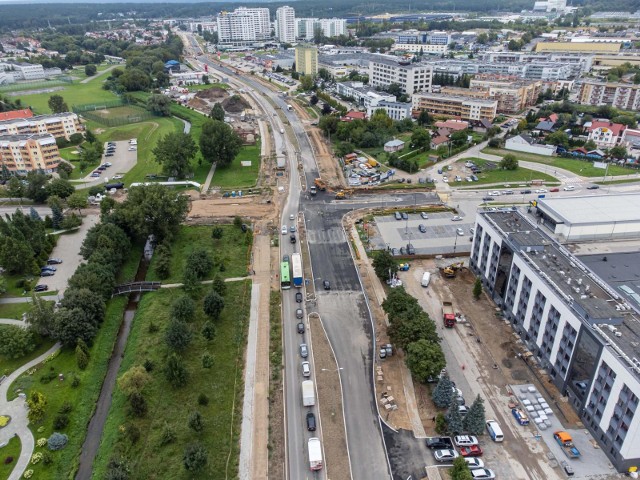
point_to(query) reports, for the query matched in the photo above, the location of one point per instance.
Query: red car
(554, 190)
(472, 451)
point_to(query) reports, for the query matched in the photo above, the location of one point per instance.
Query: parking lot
(440, 234)
(122, 161)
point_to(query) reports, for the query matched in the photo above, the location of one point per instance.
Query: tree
(134, 380)
(57, 441)
(420, 139)
(71, 325)
(454, 419)
(213, 305)
(199, 262)
(175, 372)
(509, 162)
(57, 217)
(482, 39)
(90, 70)
(384, 265)
(159, 105)
(219, 143)
(36, 403)
(177, 335)
(16, 342)
(443, 393)
(618, 151)
(57, 104)
(174, 152)
(459, 138)
(558, 138)
(196, 423)
(138, 404)
(460, 470)
(424, 118)
(97, 276)
(590, 145)
(217, 113)
(195, 457)
(306, 83)
(411, 325)
(82, 360)
(209, 330)
(477, 288)
(313, 100)
(183, 308)
(86, 300)
(77, 201)
(40, 316)
(15, 188)
(134, 79)
(151, 209)
(474, 420)
(106, 238)
(219, 285)
(425, 359)
(35, 187)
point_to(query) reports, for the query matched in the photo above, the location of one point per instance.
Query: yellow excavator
(450, 271)
(342, 194)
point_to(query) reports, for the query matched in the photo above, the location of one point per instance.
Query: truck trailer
(308, 394)
(315, 454)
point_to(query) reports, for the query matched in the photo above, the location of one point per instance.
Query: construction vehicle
(403, 267)
(520, 416)
(566, 442)
(322, 186)
(342, 194)
(450, 271)
(448, 315)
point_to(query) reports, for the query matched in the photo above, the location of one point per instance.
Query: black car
(326, 284)
(54, 261)
(48, 269)
(41, 288)
(593, 187)
(299, 297)
(439, 443)
(47, 273)
(525, 192)
(292, 239)
(422, 228)
(311, 422)
(487, 199)
(300, 327)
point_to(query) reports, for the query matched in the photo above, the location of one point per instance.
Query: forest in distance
(20, 16)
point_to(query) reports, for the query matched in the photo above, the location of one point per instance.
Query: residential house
(605, 133)
(353, 115)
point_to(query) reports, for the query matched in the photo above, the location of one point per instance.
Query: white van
(426, 278)
(495, 431)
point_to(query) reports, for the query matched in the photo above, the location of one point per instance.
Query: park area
(492, 174)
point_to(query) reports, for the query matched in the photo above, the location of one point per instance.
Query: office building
(578, 47)
(285, 24)
(244, 24)
(23, 71)
(21, 154)
(412, 77)
(306, 59)
(578, 328)
(58, 125)
(463, 107)
(395, 110)
(625, 96)
(330, 27)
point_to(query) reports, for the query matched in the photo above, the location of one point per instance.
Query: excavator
(342, 194)
(450, 271)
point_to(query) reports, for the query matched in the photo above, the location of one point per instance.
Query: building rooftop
(593, 210)
(23, 138)
(460, 98)
(14, 114)
(587, 294)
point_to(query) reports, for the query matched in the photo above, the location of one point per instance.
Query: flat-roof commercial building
(578, 47)
(412, 77)
(25, 153)
(576, 326)
(58, 125)
(602, 217)
(466, 108)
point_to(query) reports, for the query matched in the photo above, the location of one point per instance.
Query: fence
(113, 113)
(36, 85)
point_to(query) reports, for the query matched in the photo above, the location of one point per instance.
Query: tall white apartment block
(331, 27)
(286, 24)
(244, 24)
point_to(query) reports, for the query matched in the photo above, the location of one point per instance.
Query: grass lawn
(12, 449)
(83, 397)
(507, 176)
(232, 251)
(73, 94)
(619, 182)
(579, 167)
(14, 310)
(237, 176)
(8, 365)
(170, 406)
(13, 290)
(195, 88)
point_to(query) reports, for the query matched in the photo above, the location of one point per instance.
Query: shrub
(57, 441)
(36, 458)
(203, 400)
(48, 377)
(148, 365)
(441, 424)
(183, 308)
(28, 474)
(47, 458)
(138, 404)
(168, 435)
(66, 407)
(41, 442)
(60, 421)
(195, 457)
(209, 330)
(195, 422)
(117, 469)
(153, 328)
(175, 371)
(177, 335)
(217, 232)
(8, 460)
(133, 433)
(75, 382)
(207, 360)
(213, 304)
(81, 358)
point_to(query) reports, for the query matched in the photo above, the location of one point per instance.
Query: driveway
(122, 161)
(68, 250)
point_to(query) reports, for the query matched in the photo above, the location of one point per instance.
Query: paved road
(99, 74)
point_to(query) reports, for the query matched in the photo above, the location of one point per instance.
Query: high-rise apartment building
(625, 96)
(244, 24)
(58, 125)
(307, 59)
(330, 27)
(25, 153)
(286, 24)
(412, 77)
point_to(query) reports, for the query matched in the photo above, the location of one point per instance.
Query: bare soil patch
(248, 207)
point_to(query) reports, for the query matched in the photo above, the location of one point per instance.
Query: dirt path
(250, 207)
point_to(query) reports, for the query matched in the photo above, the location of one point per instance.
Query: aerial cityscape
(291, 240)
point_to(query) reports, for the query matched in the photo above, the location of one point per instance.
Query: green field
(170, 406)
(12, 449)
(235, 175)
(505, 176)
(579, 167)
(232, 250)
(14, 310)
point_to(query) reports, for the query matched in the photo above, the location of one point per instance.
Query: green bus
(285, 277)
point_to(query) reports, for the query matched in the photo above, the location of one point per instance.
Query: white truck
(308, 394)
(289, 107)
(315, 454)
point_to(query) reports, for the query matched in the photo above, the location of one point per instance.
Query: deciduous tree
(425, 359)
(174, 152)
(77, 201)
(213, 305)
(219, 143)
(195, 457)
(134, 380)
(509, 162)
(183, 308)
(384, 265)
(71, 325)
(57, 104)
(420, 139)
(16, 342)
(159, 104)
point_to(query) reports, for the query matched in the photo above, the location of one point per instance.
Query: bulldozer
(342, 194)
(450, 271)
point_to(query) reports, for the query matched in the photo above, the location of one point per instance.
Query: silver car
(304, 351)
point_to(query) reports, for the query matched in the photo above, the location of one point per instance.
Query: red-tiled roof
(553, 117)
(14, 114)
(353, 115)
(440, 140)
(453, 125)
(616, 128)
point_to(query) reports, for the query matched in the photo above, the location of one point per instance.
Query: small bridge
(135, 287)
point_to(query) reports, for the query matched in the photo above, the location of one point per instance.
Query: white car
(569, 188)
(424, 215)
(445, 179)
(474, 462)
(460, 231)
(495, 193)
(447, 455)
(117, 177)
(482, 474)
(458, 179)
(465, 440)
(292, 217)
(456, 218)
(306, 371)
(284, 229)
(541, 190)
